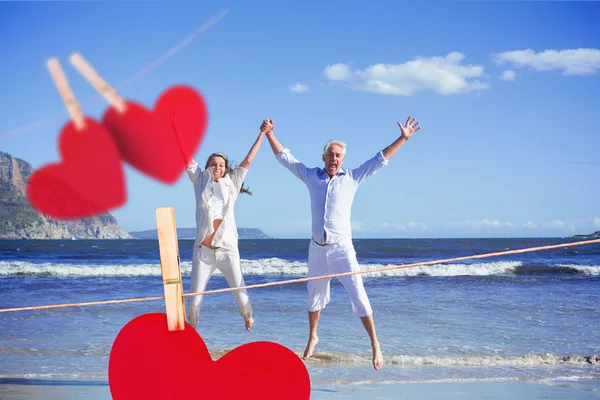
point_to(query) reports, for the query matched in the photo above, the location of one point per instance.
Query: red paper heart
(146, 139)
(149, 362)
(89, 180)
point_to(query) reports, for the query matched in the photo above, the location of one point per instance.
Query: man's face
(333, 158)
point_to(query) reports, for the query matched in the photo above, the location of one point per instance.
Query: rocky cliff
(18, 220)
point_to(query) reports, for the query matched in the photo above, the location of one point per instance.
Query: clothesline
(300, 280)
(57, 118)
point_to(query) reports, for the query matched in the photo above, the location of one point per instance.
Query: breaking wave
(278, 266)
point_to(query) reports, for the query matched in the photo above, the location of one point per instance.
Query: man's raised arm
(268, 126)
(282, 154)
(407, 131)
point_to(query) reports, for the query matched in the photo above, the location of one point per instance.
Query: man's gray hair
(341, 144)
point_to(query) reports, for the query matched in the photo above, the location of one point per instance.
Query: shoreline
(590, 236)
(582, 389)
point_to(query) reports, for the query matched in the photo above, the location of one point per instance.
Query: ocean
(528, 317)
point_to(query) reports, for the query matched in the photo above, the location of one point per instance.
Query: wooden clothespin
(68, 98)
(170, 266)
(97, 82)
(93, 78)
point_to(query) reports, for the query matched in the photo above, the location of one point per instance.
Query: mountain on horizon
(594, 235)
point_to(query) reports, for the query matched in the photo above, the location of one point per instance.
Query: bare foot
(310, 347)
(249, 323)
(377, 357)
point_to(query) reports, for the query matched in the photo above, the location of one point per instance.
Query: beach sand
(494, 390)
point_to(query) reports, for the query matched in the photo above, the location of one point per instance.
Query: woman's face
(217, 164)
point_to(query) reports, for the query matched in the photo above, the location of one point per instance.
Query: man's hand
(407, 132)
(267, 129)
(410, 128)
(267, 126)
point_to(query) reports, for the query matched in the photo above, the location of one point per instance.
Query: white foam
(479, 269)
(265, 266)
(593, 270)
(58, 376)
(274, 266)
(18, 268)
(555, 380)
(529, 360)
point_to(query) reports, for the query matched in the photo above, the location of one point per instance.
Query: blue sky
(507, 94)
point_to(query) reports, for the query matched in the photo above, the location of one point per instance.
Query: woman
(216, 246)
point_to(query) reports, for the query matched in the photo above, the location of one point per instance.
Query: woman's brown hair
(228, 169)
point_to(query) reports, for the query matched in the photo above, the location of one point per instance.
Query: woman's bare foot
(310, 347)
(249, 323)
(377, 357)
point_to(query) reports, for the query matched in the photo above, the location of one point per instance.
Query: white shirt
(230, 185)
(216, 204)
(331, 198)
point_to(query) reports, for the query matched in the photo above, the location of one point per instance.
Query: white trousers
(333, 259)
(204, 262)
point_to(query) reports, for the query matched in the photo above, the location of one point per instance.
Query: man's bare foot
(377, 357)
(310, 347)
(249, 323)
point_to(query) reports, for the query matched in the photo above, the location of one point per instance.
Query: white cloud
(580, 226)
(567, 227)
(411, 225)
(356, 225)
(557, 224)
(570, 61)
(508, 75)
(495, 224)
(338, 72)
(299, 88)
(443, 75)
(529, 225)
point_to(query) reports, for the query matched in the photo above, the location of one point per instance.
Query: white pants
(204, 262)
(333, 259)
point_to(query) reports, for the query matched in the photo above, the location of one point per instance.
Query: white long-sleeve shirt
(216, 203)
(226, 235)
(331, 198)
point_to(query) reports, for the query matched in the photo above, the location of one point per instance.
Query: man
(331, 250)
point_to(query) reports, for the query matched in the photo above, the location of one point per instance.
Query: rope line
(261, 285)
(142, 72)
